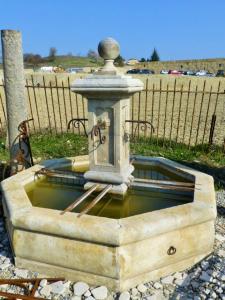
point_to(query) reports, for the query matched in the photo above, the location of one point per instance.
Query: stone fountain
(143, 218)
(108, 94)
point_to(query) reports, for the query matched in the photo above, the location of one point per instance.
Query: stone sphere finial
(109, 49)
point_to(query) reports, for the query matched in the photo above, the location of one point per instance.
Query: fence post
(212, 128)
(15, 93)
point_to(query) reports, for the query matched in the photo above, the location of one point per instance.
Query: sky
(178, 29)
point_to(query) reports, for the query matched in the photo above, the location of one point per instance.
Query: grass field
(68, 61)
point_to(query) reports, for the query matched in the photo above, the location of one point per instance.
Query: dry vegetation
(185, 117)
(172, 114)
(211, 65)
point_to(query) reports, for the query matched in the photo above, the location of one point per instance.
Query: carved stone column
(108, 94)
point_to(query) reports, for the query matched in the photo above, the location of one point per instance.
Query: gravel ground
(205, 280)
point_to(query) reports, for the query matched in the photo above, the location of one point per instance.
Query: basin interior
(48, 193)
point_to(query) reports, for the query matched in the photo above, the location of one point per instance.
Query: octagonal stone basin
(119, 247)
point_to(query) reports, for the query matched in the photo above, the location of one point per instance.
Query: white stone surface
(46, 291)
(157, 285)
(142, 288)
(204, 265)
(57, 287)
(158, 295)
(100, 293)
(167, 280)
(80, 288)
(43, 283)
(124, 296)
(222, 277)
(205, 276)
(221, 253)
(87, 293)
(178, 275)
(90, 298)
(4, 266)
(21, 273)
(134, 292)
(220, 237)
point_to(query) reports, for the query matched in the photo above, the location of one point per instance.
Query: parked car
(133, 71)
(146, 71)
(74, 70)
(47, 69)
(51, 69)
(220, 73)
(140, 71)
(189, 73)
(201, 73)
(175, 72)
(164, 72)
(208, 74)
(205, 73)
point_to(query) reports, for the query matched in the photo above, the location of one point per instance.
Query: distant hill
(64, 61)
(210, 64)
(68, 61)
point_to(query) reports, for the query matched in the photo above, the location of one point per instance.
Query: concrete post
(15, 93)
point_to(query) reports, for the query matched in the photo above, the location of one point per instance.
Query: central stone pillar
(108, 94)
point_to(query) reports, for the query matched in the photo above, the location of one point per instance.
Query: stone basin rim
(100, 229)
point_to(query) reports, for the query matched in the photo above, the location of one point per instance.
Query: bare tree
(52, 53)
(33, 59)
(119, 61)
(92, 55)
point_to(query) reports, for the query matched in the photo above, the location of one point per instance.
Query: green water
(43, 193)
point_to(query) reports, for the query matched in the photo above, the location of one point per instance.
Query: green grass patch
(212, 156)
(204, 158)
(69, 144)
(76, 61)
(47, 146)
(67, 61)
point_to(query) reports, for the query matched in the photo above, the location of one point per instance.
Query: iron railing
(191, 113)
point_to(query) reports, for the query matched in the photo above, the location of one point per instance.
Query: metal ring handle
(172, 250)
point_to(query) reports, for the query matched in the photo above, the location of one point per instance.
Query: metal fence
(187, 113)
